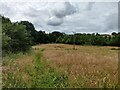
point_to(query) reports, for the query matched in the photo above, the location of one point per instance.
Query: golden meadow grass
(58, 65)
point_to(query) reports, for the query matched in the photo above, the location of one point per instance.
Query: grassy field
(58, 65)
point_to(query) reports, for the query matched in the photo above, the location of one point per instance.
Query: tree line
(20, 36)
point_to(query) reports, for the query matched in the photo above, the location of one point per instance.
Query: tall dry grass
(58, 65)
(93, 66)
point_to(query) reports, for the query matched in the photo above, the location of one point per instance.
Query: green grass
(40, 76)
(31, 70)
(45, 76)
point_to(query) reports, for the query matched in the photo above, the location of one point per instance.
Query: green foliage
(5, 43)
(31, 30)
(41, 76)
(46, 76)
(15, 37)
(90, 39)
(19, 36)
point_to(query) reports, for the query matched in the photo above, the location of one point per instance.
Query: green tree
(15, 37)
(31, 29)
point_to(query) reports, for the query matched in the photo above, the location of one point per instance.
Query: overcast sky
(69, 16)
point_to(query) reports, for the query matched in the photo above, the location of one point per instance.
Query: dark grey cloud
(65, 16)
(58, 14)
(90, 5)
(67, 9)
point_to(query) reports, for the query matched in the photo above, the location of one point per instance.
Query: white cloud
(65, 17)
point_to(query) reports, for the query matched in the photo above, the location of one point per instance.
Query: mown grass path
(31, 71)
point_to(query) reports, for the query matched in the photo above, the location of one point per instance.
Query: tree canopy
(19, 36)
